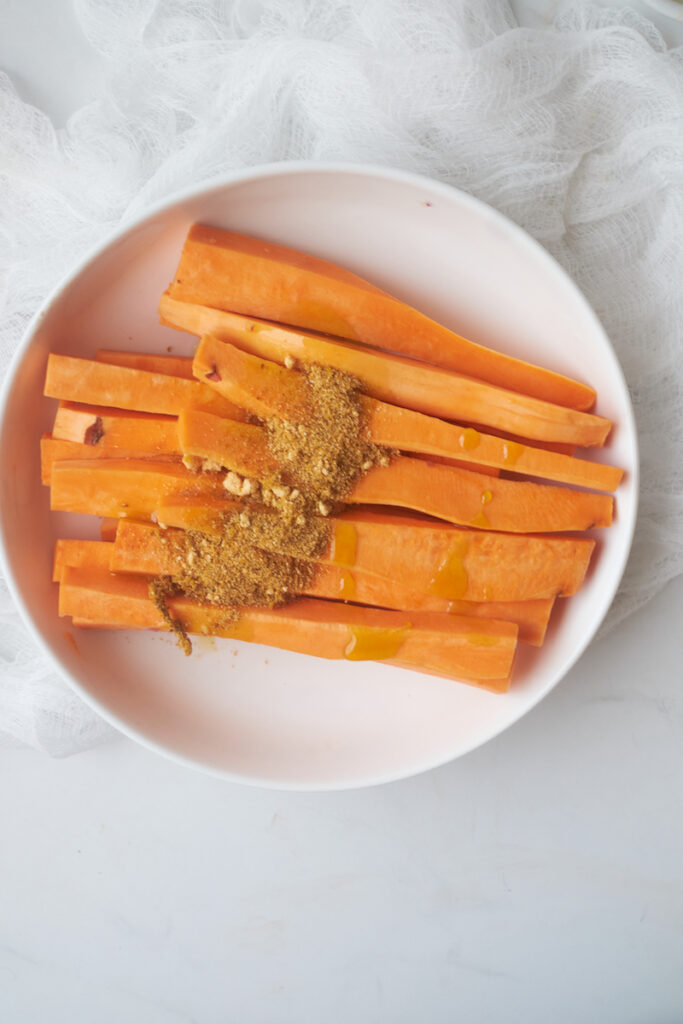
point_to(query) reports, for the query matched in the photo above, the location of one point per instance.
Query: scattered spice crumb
(228, 571)
(160, 589)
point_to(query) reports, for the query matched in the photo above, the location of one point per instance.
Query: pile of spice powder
(264, 556)
(326, 455)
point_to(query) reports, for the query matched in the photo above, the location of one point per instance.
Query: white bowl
(252, 713)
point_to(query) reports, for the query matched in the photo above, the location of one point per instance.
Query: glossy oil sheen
(344, 541)
(368, 643)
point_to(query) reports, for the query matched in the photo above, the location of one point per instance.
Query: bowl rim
(226, 181)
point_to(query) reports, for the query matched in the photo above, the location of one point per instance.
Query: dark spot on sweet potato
(94, 433)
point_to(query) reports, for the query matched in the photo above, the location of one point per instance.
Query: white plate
(252, 713)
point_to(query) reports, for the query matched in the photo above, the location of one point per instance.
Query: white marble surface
(538, 879)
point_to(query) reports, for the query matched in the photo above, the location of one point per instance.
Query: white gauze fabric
(575, 132)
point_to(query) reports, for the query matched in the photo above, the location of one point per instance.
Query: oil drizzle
(482, 639)
(344, 541)
(450, 579)
(480, 519)
(512, 452)
(375, 643)
(347, 586)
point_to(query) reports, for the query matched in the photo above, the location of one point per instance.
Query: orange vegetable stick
(174, 366)
(127, 488)
(445, 492)
(425, 556)
(141, 548)
(268, 389)
(548, 446)
(477, 651)
(473, 467)
(53, 450)
(92, 383)
(83, 554)
(138, 550)
(395, 379)
(263, 387)
(223, 438)
(470, 499)
(181, 366)
(531, 617)
(246, 275)
(116, 430)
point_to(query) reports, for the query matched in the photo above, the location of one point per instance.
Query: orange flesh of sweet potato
(204, 436)
(128, 488)
(80, 554)
(91, 383)
(267, 389)
(395, 379)
(426, 557)
(245, 275)
(53, 450)
(478, 651)
(102, 428)
(143, 548)
(445, 492)
(470, 499)
(181, 366)
(174, 366)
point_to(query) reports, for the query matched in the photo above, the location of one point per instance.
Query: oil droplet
(375, 643)
(469, 439)
(512, 452)
(482, 639)
(450, 579)
(347, 586)
(344, 541)
(480, 519)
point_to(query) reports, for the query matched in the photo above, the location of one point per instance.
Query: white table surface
(538, 879)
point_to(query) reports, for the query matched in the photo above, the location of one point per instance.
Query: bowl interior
(252, 712)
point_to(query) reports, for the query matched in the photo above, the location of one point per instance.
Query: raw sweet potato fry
(145, 548)
(424, 556)
(128, 488)
(478, 651)
(245, 275)
(396, 379)
(267, 389)
(91, 383)
(445, 492)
